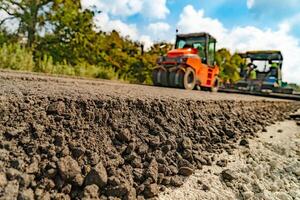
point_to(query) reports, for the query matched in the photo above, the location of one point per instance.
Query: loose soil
(63, 138)
(267, 168)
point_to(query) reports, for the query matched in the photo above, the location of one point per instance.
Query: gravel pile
(62, 147)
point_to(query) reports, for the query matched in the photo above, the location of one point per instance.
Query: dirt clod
(68, 168)
(228, 175)
(185, 171)
(97, 176)
(151, 190)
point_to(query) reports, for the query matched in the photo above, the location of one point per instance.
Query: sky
(238, 25)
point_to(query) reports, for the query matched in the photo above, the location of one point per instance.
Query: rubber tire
(154, 77)
(180, 75)
(188, 84)
(164, 78)
(216, 85)
(172, 79)
(160, 77)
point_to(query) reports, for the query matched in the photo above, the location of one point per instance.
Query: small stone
(264, 130)
(90, 192)
(248, 195)
(12, 174)
(11, 190)
(3, 180)
(166, 180)
(67, 189)
(119, 191)
(228, 175)
(77, 152)
(152, 171)
(61, 196)
(274, 187)
(296, 171)
(68, 168)
(93, 158)
(222, 163)
(57, 108)
(173, 169)
(143, 149)
(185, 171)
(124, 135)
(259, 172)
(151, 190)
(187, 143)
(279, 131)
(283, 196)
(33, 167)
(176, 181)
(200, 159)
(78, 180)
(244, 143)
(26, 195)
(97, 175)
(230, 133)
(205, 187)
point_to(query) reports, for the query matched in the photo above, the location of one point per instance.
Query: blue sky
(264, 13)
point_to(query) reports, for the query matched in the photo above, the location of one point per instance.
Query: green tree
(30, 14)
(229, 65)
(72, 38)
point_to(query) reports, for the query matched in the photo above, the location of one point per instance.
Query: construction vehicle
(262, 72)
(190, 65)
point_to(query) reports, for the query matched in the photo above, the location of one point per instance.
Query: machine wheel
(154, 77)
(189, 80)
(216, 85)
(180, 75)
(160, 77)
(172, 79)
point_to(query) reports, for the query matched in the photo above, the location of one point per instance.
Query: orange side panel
(204, 73)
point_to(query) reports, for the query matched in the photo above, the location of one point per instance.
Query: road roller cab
(190, 64)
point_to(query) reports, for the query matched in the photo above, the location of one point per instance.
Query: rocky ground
(66, 138)
(267, 167)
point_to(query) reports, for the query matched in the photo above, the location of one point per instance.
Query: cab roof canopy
(263, 55)
(193, 35)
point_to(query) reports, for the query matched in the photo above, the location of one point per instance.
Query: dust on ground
(267, 167)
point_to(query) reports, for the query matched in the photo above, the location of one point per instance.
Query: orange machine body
(205, 74)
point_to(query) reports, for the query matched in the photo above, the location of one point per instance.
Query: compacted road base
(63, 138)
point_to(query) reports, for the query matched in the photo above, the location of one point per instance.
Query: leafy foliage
(229, 65)
(13, 56)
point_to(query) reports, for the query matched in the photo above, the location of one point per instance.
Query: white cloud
(154, 9)
(159, 31)
(250, 3)
(247, 38)
(104, 23)
(11, 24)
(195, 21)
(147, 41)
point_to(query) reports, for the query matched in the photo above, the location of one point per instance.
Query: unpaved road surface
(267, 168)
(63, 138)
(91, 89)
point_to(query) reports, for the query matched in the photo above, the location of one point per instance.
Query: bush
(15, 57)
(106, 73)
